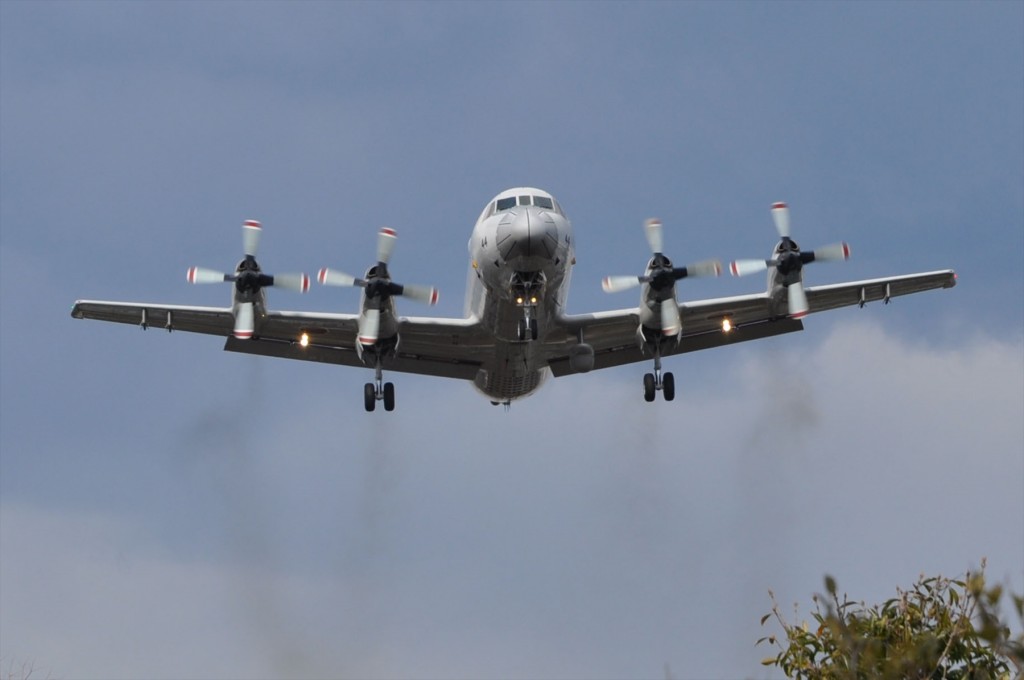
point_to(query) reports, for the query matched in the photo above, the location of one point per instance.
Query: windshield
(512, 201)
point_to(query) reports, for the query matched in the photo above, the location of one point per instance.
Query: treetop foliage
(939, 628)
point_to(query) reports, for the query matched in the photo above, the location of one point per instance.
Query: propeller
(660, 274)
(790, 260)
(378, 287)
(248, 280)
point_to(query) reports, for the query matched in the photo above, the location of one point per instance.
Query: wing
(752, 317)
(613, 335)
(451, 348)
(822, 298)
(448, 348)
(209, 320)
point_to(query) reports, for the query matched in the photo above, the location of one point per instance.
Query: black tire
(521, 330)
(389, 396)
(649, 387)
(369, 397)
(668, 386)
(533, 329)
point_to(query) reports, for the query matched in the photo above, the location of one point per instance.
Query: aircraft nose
(528, 235)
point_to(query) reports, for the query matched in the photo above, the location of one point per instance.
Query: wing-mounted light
(788, 261)
(248, 280)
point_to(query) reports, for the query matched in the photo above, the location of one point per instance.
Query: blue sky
(169, 510)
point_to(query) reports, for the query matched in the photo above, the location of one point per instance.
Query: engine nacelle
(581, 358)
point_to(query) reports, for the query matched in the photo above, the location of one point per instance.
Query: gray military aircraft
(516, 331)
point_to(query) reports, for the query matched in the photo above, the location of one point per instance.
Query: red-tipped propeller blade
(425, 294)
(204, 275)
(671, 324)
(369, 326)
(245, 321)
(386, 244)
(331, 277)
(836, 251)
(780, 213)
(744, 267)
(251, 232)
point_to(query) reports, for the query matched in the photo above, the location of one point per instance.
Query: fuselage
(521, 257)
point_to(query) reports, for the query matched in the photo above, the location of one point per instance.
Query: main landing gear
(379, 391)
(655, 382)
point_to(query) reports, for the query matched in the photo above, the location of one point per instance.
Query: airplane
(516, 331)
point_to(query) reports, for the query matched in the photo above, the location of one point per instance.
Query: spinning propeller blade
(660, 274)
(331, 277)
(744, 267)
(834, 252)
(655, 239)
(378, 284)
(369, 325)
(705, 268)
(614, 284)
(789, 262)
(204, 275)
(245, 322)
(425, 294)
(780, 214)
(251, 232)
(797, 300)
(386, 244)
(671, 324)
(298, 283)
(248, 280)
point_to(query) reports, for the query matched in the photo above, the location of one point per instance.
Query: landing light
(533, 300)
(519, 300)
(726, 325)
(304, 340)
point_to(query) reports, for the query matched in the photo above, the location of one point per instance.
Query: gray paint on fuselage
(523, 239)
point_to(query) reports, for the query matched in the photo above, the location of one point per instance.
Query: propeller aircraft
(515, 332)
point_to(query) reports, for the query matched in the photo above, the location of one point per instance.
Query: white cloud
(586, 533)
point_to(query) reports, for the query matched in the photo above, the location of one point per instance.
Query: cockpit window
(544, 202)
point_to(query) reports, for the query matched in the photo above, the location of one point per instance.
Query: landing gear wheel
(389, 396)
(527, 329)
(668, 385)
(369, 396)
(649, 387)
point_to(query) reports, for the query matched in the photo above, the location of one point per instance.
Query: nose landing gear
(527, 326)
(526, 290)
